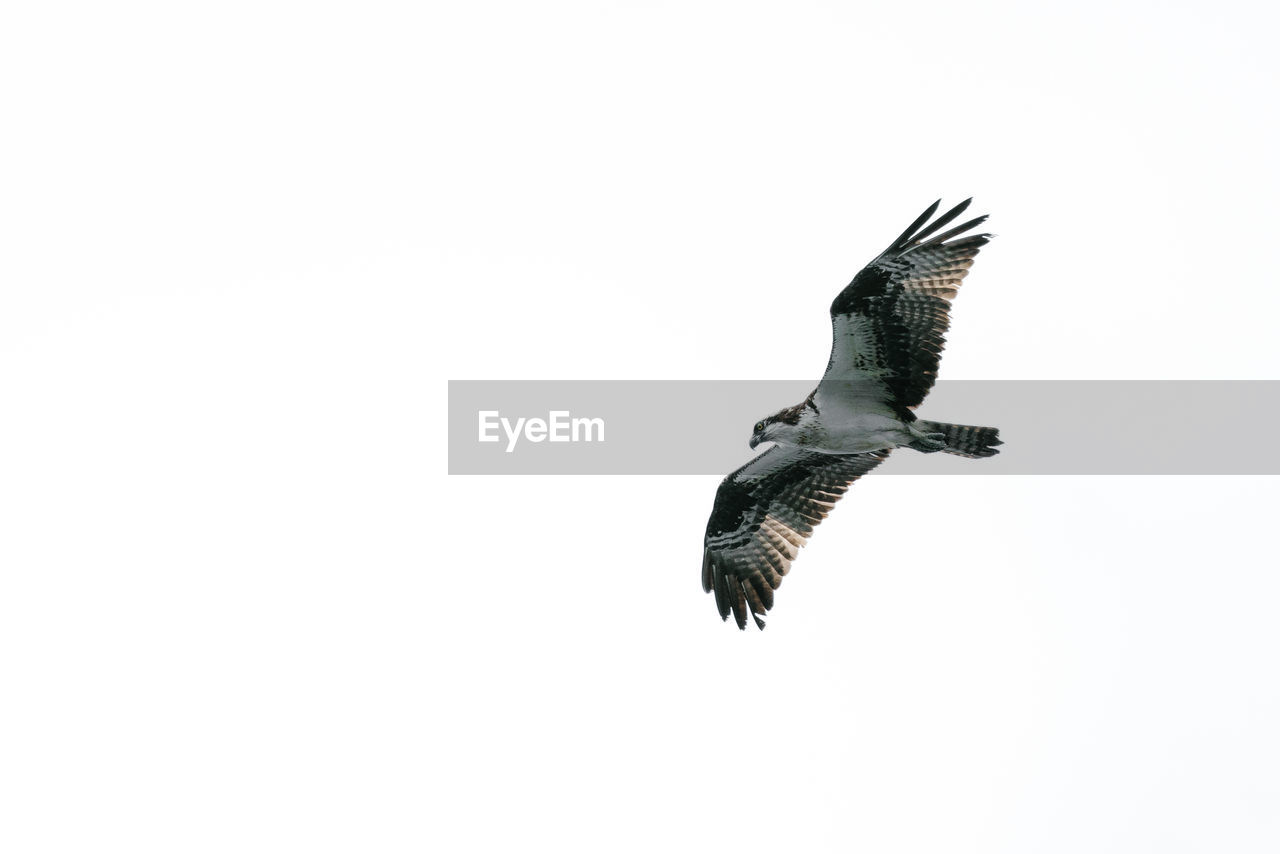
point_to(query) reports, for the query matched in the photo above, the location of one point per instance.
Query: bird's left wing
(888, 324)
(764, 513)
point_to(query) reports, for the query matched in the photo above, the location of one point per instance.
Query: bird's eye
(759, 426)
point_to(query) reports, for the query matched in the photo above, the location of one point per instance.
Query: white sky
(243, 608)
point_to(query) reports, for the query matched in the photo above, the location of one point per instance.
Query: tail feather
(963, 440)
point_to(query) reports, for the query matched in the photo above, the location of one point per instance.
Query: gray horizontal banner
(702, 426)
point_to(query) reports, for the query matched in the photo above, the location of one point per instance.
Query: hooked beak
(755, 440)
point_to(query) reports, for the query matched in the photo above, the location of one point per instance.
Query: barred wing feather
(888, 324)
(763, 513)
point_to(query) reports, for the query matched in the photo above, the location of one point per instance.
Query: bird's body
(873, 428)
(887, 337)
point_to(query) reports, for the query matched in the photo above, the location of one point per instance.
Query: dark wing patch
(900, 304)
(764, 512)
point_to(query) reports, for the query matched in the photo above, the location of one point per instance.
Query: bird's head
(774, 429)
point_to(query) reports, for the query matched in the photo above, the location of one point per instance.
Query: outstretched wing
(764, 513)
(888, 324)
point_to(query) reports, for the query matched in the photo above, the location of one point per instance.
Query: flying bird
(887, 330)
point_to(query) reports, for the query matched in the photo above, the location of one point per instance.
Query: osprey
(887, 336)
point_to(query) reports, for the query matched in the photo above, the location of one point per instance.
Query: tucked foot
(926, 442)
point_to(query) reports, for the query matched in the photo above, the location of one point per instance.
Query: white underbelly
(865, 432)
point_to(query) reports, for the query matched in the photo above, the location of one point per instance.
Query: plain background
(242, 607)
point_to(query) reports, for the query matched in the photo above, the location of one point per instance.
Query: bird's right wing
(764, 512)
